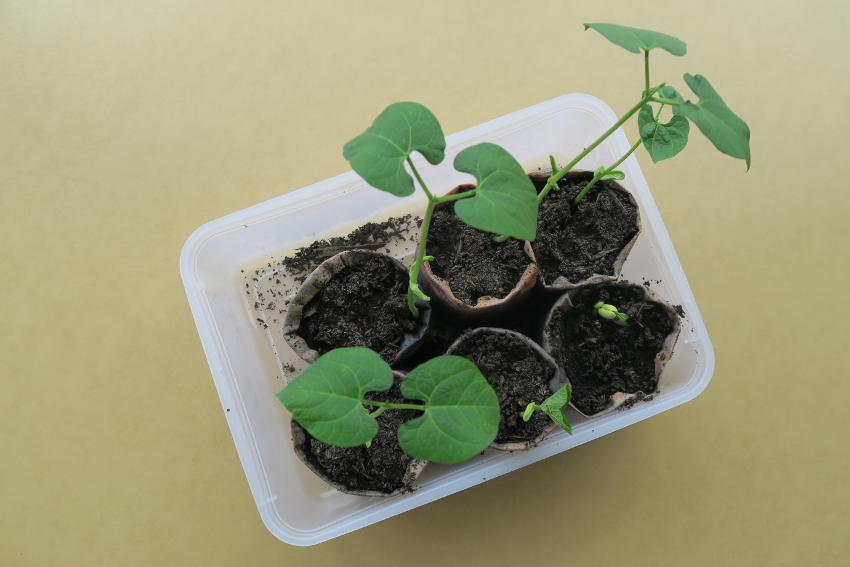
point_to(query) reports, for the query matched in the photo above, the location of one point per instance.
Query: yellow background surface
(124, 126)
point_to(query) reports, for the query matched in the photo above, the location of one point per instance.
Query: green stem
(377, 412)
(564, 170)
(388, 405)
(413, 290)
(606, 171)
(419, 179)
(454, 196)
(647, 95)
(662, 100)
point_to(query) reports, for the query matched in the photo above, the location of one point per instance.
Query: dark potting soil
(443, 330)
(382, 466)
(518, 374)
(363, 305)
(599, 356)
(470, 260)
(275, 281)
(577, 241)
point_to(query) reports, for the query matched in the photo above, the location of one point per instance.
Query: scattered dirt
(279, 278)
(599, 356)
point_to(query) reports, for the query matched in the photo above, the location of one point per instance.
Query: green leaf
(327, 398)
(603, 174)
(505, 200)
(379, 153)
(553, 406)
(721, 126)
(461, 411)
(671, 93)
(662, 141)
(634, 39)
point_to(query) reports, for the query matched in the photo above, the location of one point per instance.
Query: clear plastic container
(249, 363)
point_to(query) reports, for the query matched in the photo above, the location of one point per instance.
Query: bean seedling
(716, 121)
(609, 312)
(553, 406)
(503, 201)
(460, 413)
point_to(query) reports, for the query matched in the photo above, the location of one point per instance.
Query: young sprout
(608, 311)
(553, 406)
(460, 410)
(504, 200)
(662, 140)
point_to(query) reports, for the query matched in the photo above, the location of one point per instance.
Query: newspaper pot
(356, 327)
(320, 457)
(576, 242)
(484, 307)
(521, 372)
(610, 365)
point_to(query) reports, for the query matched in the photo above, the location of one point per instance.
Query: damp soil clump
(363, 305)
(382, 467)
(470, 260)
(602, 358)
(518, 374)
(577, 241)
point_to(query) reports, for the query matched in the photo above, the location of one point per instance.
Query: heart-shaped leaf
(662, 141)
(461, 411)
(505, 200)
(327, 398)
(379, 153)
(721, 126)
(634, 39)
(553, 406)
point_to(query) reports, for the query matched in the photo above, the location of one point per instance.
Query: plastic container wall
(248, 362)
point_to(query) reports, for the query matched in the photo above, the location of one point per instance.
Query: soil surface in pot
(363, 305)
(577, 241)
(382, 467)
(443, 330)
(518, 374)
(601, 357)
(470, 260)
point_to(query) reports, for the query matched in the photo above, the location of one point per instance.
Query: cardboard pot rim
(316, 281)
(561, 282)
(618, 399)
(440, 288)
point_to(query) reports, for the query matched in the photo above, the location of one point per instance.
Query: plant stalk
(413, 289)
(605, 172)
(387, 405)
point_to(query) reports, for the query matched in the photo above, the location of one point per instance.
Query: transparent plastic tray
(250, 363)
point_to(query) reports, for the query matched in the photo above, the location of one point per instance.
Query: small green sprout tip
(553, 406)
(608, 311)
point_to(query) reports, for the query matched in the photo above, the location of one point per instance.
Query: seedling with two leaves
(460, 410)
(504, 200)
